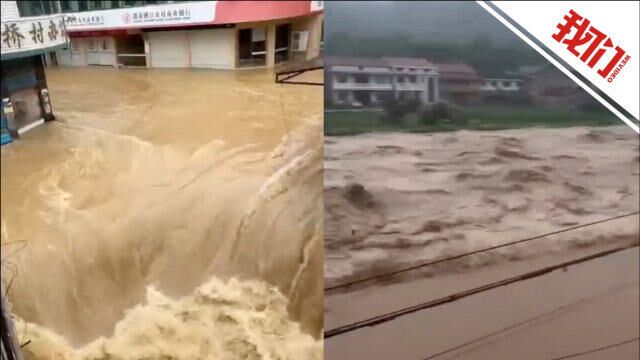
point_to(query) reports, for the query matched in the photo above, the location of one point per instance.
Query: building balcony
(500, 88)
(361, 86)
(410, 86)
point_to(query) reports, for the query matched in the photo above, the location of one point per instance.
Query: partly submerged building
(183, 34)
(461, 83)
(24, 40)
(367, 82)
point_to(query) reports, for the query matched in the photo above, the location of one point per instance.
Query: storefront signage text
(32, 33)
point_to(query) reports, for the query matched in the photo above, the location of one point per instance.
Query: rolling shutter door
(168, 49)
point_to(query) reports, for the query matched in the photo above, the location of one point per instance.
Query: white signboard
(144, 16)
(317, 5)
(32, 33)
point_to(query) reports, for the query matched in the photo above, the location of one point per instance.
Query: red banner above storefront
(231, 12)
(188, 14)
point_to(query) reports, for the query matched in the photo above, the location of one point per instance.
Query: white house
(501, 85)
(359, 82)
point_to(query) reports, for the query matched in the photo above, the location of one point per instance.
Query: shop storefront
(25, 96)
(202, 34)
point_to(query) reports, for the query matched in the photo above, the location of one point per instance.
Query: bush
(397, 110)
(507, 98)
(458, 116)
(441, 110)
(591, 105)
(432, 114)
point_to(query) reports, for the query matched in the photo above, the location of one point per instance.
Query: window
(252, 47)
(91, 45)
(69, 6)
(36, 8)
(75, 45)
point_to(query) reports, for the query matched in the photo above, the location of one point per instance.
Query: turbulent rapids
(394, 200)
(143, 245)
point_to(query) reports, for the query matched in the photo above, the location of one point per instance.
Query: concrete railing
(361, 86)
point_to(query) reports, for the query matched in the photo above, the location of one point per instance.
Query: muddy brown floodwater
(395, 200)
(167, 214)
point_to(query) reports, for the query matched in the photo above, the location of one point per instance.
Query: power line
(596, 350)
(380, 319)
(530, 320)
(455, 257)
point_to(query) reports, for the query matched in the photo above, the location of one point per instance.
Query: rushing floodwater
(167, 214)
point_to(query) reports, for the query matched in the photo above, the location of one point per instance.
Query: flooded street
(165, 202)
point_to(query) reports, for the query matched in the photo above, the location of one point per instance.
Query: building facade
(461, 83)
(493, 85)
(25, 40)
(186, 34)
(365, 82)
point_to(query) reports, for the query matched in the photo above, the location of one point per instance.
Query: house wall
(313, 24)
(380, 80)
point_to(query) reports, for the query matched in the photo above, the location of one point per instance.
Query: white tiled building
(501, 85)
(366, 82)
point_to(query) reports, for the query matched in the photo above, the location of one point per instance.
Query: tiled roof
(407, 62)
(456, 68)
(354, 61)
(383, 62)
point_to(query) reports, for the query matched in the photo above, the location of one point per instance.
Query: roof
(378, 62)
(459, 68)
(354, 61)
(457, 71)
(407, 62)
(525, 70)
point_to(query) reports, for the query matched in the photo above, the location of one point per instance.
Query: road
(591, 305)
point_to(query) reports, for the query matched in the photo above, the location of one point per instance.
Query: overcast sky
(459, 21)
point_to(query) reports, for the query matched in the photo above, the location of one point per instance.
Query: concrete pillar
(436, 88)
(271, 45)
(147, 52)
(395, 87)
(315, 36)
(336, 98)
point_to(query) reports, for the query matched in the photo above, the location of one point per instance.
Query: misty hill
(438, 31)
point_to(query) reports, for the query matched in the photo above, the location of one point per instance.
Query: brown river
(169, 214)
